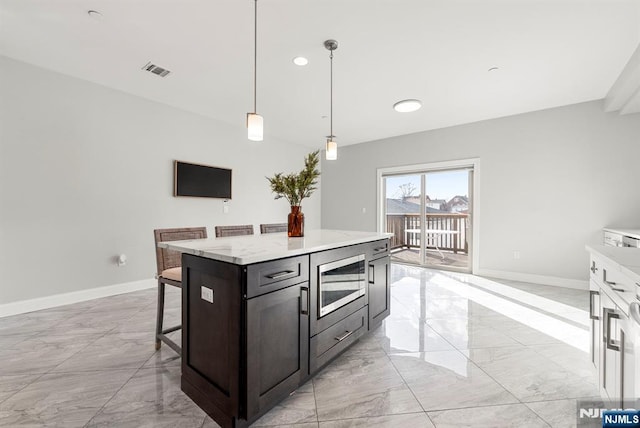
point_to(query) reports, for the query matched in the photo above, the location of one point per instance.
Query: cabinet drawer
(332, 341)
(273, 275)
(378, 249)
(616, 280)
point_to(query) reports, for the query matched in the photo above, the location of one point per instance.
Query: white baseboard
(536, 279)
(24, 306)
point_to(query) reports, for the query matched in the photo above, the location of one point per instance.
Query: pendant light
(331, 152)
(254, 120)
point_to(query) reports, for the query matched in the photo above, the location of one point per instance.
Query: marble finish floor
(458, 350)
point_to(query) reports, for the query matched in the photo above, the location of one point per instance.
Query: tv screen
(201, 181)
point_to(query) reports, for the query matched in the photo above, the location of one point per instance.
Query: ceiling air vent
(152, 68)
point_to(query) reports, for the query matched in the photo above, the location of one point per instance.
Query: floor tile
(409, 420)
(351, 388)
(298, 408)
(151, 398)
(10, 341)
(91, 322)
(210, 423)
(165, 356)
(144, 321)
(506, 416)
(9, 385)
(303, 425)
(411, 336)
(34, 322)
(112, 351)
(41, 354)
(569, 358)
(64, 399)
(531, 376)
(449, 380)
(470, 334)
(557, 413)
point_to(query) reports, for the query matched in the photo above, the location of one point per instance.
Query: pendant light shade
(331, 152)
(254, 120)
(254, 126)
(331, 149)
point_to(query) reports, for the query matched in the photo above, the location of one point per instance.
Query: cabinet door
(594, 317)
(610, 360)
(629, 367)
(277, 345)
(379, 292)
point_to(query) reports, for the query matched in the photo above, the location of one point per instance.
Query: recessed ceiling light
(94, 14)
(300, 60)
(406, 106)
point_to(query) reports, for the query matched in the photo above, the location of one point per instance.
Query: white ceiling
(549, 53)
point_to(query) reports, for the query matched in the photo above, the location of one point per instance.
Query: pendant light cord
(331, 96)
(255, 55)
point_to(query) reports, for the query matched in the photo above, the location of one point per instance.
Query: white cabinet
(613, 332)
(611, 368)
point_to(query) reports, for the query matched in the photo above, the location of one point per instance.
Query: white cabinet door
(594, 318)
(610, 355)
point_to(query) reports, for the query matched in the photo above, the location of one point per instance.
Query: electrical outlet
(516, 255)
(225, 209)
(206, 294)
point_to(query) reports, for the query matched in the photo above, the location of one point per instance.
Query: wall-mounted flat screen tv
(201, 180)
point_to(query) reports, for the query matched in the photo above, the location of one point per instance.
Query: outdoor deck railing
(398, 224)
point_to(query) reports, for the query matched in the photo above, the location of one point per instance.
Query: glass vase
(295, 222)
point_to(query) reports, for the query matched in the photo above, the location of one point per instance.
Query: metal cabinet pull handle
(304, 301)
(344, 336)
(610, 283)
(612, 344)
(380, 248)
(593, 268)
(591, 314)
(279, 274)
(604, 278)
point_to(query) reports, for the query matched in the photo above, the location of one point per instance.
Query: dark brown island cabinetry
(252, 334)
(379, 285)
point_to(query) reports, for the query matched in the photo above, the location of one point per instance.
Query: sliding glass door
(404, 216)
(429, 213)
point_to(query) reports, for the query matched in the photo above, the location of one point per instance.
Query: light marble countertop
(248, 249)
(634, 233)
(627, 261)
(626, 258)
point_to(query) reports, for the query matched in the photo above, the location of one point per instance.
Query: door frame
(473, 163)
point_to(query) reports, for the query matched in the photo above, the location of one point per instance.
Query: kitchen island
(261, 314)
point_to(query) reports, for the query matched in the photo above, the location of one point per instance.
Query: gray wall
(549, 181)
(86, 173)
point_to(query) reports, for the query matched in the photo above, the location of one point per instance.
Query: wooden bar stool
(243, 229)
(273, 228)
(170, 272)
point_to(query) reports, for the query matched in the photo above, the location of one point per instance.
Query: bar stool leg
(160, 315)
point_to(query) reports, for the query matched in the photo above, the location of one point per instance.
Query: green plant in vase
(294, 187)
